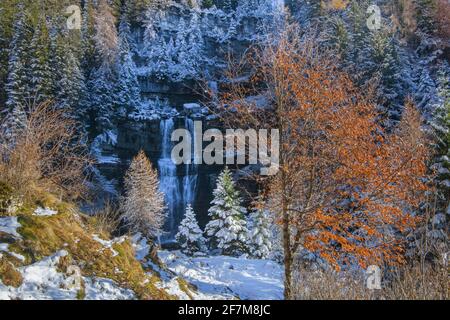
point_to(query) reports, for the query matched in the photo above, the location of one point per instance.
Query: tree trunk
(287, 256)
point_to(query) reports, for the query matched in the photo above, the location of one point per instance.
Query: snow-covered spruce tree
(227, 230)
(143, 204)
(190, 236)
(441, 126)
(260, 232)
(102, 102)
(5, 38)
(385, 59)
(190, 50)
(69, 82)
(41, 75)
(90, 55)
(425, 16)
(17, 81)
(128, 93)
(12, 125)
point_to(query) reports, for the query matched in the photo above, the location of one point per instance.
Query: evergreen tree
(227, 229)
(7, 15)
(18, 82)
(260, 233)
(207, 4)
(425, 16)
(190, 48)
(102, 98)
(190, 236)
(227, 5)
(361, 41)
(387, 67)
(125, 32)
(68, 83)
(89, 52)
(128, 93)
(13, 124)
(441, 126)
(41, 73)
(341, 37)
(143, 204)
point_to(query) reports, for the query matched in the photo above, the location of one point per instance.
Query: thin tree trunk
(287, 255)
(286, 235)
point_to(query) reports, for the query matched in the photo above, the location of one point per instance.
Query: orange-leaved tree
(346, 188)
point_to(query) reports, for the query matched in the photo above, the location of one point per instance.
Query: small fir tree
(190, 236)
(227, 229)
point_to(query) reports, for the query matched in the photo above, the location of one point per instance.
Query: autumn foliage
(347, 188)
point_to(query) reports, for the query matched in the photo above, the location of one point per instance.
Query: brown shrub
(46, 154)
(406, 283)
(107, 219)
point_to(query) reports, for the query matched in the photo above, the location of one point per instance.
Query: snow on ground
(216, 277)
(227, 277)
(170, 281)
(44, 212)
(9, 225)
(42, 281)
(106, 289)
(141, 248)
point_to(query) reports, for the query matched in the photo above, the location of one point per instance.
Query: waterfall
(169, 183)
(191, 171)
(179, 192)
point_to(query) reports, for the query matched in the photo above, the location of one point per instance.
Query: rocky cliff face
(176, 45)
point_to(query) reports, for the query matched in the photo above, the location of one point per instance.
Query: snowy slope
(213, 278)
(222, 277)
(42, 281)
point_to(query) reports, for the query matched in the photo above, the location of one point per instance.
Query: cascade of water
(191, 171)
(178, 192)
(169, 183)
